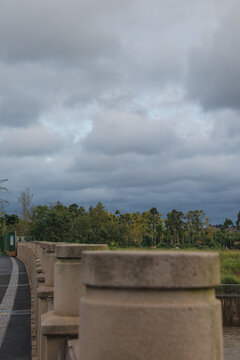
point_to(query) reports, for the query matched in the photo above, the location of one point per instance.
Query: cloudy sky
(133, 103)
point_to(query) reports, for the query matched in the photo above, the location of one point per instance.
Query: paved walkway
(15, 333)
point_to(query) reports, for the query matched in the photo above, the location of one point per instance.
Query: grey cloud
(221, 140)
(51, 30)
(18, 109)
(213, 76)
(130, 181)
(123, 132)
(127, 41)
(111, 65)
(166, 183)
(33, 141)
(22, 94)
(88, 51)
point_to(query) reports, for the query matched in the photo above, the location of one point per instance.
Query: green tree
(154, 225)
(38, 227)
(227, 223)
(58, 223)
(11, 219)
(80, 228)
(195, 225)
(175, 227)
(3, 226)
(73, 210)
(238, 221)
(99, 221)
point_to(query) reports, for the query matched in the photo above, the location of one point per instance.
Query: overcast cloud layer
(132, 103)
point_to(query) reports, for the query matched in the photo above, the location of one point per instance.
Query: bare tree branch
(3, 188)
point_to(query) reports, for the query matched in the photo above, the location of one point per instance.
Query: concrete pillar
(45, 292)
(49, 264)
(42, 253)
(38, 249)
(61, 324)
(150, 305)
(27, 253)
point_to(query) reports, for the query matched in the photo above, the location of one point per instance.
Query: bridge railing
(94, 304)
(228, 289)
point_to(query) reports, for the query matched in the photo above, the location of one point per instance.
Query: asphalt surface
(16, 344)
(5, 274)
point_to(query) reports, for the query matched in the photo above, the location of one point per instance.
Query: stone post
(43, 246)
(62, 323)
(150, 305)
(27, 252)
(45, 292)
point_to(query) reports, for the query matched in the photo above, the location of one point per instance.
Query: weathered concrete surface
(61, 324)
(74, 251)
(68, 287)
(53, 324)
(142, 305)
(172, 270)
(45, 291)
(72, 350)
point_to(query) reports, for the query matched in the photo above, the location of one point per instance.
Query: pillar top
(50, 247)
(74, 251)
(146, 269)
(43, 244)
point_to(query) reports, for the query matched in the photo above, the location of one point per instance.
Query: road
(15, 304)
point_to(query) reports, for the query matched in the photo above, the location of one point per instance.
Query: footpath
(15, 310)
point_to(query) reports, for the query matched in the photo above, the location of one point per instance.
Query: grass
(230, 267)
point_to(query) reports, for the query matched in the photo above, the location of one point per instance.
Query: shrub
(229, 278)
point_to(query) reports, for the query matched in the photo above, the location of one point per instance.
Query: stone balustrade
(61, 324)
(96, 304)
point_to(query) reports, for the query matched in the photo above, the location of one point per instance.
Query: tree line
(74, 223)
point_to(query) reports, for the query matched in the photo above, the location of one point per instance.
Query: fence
(105, 305)
(228, 289)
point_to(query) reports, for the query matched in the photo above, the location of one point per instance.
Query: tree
(155, 225)
(238, 221)
(3, 227)
(24, 201)
(135, 229)
(38, 225)
(80, 226)
(175, 226)
(199, 216)
(99, 220)
(3, 188)
(227, 223)
(11, 219)
(58, 223)
(195, 225)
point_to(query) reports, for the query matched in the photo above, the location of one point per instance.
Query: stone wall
(93, 304)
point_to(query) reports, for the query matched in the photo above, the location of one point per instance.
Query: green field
(230, 267)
